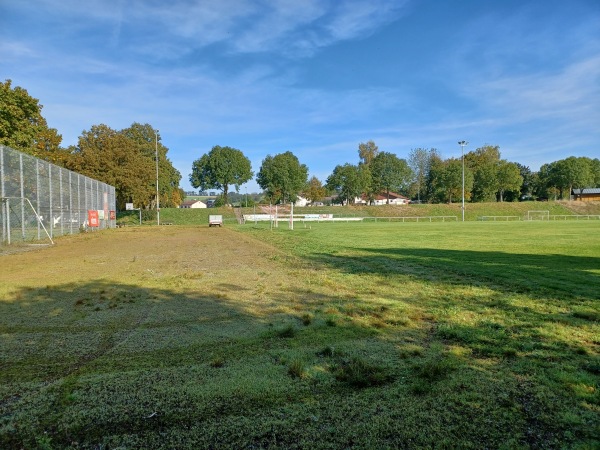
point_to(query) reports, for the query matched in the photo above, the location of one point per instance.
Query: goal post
(538, 215)
(23, 204)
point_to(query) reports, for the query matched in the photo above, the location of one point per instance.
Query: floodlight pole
(462, 149)
(157, 197)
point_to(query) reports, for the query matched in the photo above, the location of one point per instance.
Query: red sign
(113, 214)
(93, 220)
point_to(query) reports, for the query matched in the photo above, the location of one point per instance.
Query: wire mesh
(39, 200)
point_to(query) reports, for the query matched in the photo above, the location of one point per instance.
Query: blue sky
(315, 77)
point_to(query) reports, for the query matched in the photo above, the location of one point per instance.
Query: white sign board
(129, 206)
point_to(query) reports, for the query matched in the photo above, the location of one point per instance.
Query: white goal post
(538, 215)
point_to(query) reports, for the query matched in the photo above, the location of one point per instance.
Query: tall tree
(314, 190)
(390, 173)
(509, 178)
(147, 142)
(23, 127)
(484, 164)
(282, 177)
(527, 186)
(595, 169)
(220, 168)
(419, 160)
(572, 172)
(367, 152)
(446, 180)
(111, 157)
(348, 181)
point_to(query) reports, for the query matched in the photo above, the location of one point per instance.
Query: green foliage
(349, 181)
(509, 178)
(282, 177)
(420, 161)
(221, 168)
(126, 159)
(23, 127)
(390, 173)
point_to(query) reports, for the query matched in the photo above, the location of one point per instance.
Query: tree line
(425, 176)
(126, 159)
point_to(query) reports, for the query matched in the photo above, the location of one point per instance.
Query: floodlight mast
(462, 149)
(157, 197)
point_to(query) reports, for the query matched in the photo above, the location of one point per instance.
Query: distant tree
(111, 157)
(282, 177)
(483, 162)
(527, 186)
(348, 181)
(221, 168)
(446, 180)
(367, 152)
(314, 190)
(419, 160)
(509, 178)
(595, 169)
(23, 127)
(147, 141)
(569, 173)
(390, 173)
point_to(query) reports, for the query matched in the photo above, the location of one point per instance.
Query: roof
(586, 191)
(393, 195)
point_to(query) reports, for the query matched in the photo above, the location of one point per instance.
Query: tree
(446, 179)
(111, 157)
(595, 169)
(572, 172)
(147, 141)
(484, 164)
(390, 173)
(509, 178)
(23, 127)
(527, 186)
(220, 168)
(349, 181)
(419, 160)
(367, 152)
(314, 190)
(282, 177)
(126, 160)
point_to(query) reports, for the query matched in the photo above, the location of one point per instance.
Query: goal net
(538, 215)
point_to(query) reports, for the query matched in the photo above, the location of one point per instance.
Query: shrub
(307, 319)
(288, 331)
(297, 369)
(359, 373)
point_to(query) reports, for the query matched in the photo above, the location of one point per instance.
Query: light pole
(462, 150)
(157, 197)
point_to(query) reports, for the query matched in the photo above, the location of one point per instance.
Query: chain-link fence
(39, 200)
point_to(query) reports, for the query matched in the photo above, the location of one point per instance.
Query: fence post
(22, 191)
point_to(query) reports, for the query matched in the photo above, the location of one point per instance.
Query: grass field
(366, 335)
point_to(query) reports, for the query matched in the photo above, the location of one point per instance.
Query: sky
(315, 77)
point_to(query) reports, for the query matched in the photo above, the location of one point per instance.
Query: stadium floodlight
(462, 149)
(157, 197)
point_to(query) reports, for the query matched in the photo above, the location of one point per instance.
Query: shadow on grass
(109, 365)
(554, 275)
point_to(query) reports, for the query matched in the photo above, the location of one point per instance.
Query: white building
(193, 204)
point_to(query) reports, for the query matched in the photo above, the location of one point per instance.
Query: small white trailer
(215, 220)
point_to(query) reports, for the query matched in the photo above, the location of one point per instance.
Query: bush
(359, 373)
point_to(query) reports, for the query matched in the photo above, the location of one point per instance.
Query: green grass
(364, 335)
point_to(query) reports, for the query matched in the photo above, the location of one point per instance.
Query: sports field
(360, 335)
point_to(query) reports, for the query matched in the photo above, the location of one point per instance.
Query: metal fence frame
(40, 200)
